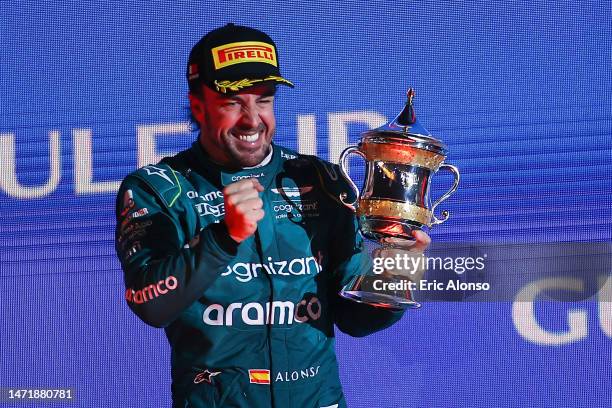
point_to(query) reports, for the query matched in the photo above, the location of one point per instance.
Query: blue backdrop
(520, 92)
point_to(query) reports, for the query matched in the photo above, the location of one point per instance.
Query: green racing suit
(249, 324)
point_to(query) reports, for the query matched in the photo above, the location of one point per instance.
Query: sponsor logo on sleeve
(141, 212)
(127, 220)
(152, 291)
(128, 202)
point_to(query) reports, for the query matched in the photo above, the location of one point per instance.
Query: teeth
(249, 138)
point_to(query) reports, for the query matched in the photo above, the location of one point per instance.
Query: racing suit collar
(222, 176)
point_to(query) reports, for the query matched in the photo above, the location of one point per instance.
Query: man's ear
(197, 107)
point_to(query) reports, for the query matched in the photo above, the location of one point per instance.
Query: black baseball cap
(231, 58)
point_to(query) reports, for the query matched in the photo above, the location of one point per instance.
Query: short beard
(255, 162)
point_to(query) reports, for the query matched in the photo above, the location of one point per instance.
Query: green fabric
(269, 303)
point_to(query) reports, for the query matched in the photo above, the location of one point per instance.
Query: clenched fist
(243, 208)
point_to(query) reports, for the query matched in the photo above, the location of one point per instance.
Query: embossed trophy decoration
(401, 157)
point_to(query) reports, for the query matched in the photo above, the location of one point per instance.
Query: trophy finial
(408, 116)
(405, 124)
(410, 94)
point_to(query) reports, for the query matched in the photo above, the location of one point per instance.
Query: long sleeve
(167, 265)
(355, 319)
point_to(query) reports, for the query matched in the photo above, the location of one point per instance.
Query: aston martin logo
(292, 191)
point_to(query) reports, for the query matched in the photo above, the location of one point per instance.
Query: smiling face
(236, 130)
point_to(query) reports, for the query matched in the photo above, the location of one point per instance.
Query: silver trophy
(401, 158)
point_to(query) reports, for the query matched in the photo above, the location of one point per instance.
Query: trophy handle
(445, 213)
(344, 172)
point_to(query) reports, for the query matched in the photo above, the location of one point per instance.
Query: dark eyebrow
(225, 98)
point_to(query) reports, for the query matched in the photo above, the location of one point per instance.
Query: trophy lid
(405, 129)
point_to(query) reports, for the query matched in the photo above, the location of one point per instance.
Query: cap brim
(283, 81)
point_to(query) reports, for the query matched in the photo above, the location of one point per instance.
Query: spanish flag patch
(259, 376)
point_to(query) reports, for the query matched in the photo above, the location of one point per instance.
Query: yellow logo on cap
(245, 51)
(235, 86)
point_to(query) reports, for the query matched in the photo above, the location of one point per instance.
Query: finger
(235, 187)
(249, 205)
(241, 196)
(258, 214)
(422, 240)
(252, 217)
(257, 185)
(400, 242)
(243, 184)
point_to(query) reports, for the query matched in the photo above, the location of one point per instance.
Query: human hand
(243, 208)
(401, 257)
(419, 245)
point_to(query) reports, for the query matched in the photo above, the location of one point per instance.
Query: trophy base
(362, 289)
(378, 228)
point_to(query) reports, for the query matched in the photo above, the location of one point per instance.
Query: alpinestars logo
(156, 171)
(257, 314)
(244, 271)
(205, 376)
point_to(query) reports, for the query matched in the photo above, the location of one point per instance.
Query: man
(239, 247)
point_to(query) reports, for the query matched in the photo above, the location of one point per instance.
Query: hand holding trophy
(401, 157)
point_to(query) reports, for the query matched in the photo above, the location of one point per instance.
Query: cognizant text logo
(244, 271)
(257, 314)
